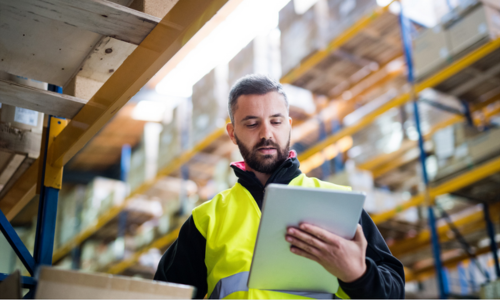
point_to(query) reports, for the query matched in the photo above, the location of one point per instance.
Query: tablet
(274, 267)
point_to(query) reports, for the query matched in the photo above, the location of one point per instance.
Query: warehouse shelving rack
(185, 157)
(64, 139)
(165, 241)
(451, 185)
(429, 193)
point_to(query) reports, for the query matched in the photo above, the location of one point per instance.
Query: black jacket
(184, 261)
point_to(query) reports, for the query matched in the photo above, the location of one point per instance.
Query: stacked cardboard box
(260, 56)
(465, 28)
(342, 14)
(301, 34)
(209, 103)
(64, 284)
(170, 141)
(458, 147)
(144, 158)
(101, 195)
(69, 208)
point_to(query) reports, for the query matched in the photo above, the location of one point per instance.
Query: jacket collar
(287, 171)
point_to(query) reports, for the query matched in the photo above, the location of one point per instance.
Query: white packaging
(480, 25)
(431, 51)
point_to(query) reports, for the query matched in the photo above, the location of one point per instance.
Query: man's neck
(262, 177)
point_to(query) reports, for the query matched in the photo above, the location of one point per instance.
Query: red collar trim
(241, 164)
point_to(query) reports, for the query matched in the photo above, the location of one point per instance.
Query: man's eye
(276, 123)
(252, 125)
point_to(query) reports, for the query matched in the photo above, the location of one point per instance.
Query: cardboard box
(260, 56)
(170, 140)
(64, 284)
(342, 14)
(301, 34)
(475, 28)
(210, 103)
(490, 290)
(431, 51)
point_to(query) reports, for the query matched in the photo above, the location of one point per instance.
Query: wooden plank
(152, 54)
(40, 48)
(40, 100)
(10, 169)
(19, 141)
(99, 16)
(21, 192)
(157, 8)
(106, 57)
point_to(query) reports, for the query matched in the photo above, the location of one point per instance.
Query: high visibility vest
(229, 222)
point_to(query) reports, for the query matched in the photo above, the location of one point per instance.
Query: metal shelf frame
(62, 141)
(150, 56)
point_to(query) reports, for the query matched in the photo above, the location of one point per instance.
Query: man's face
(262, 130)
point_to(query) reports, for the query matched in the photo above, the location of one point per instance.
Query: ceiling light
(246, 22)
(152, 111)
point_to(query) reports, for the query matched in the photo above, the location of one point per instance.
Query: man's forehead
(267, 105)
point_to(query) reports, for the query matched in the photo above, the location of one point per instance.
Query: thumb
(360, 235)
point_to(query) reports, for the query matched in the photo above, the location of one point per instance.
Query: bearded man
(215, 246)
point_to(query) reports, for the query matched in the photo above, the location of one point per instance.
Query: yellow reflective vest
(229, 222)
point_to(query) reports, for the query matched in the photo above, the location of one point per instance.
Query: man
(215, 245)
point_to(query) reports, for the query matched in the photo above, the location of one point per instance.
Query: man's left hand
(343, 258)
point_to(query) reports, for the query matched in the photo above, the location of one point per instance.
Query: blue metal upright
(491, 234)
(125, 162)
(47, 211)
(338, 161)
(407, 46)
(16, 244)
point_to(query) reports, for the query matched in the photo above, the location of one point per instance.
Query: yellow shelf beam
(434, 80)
(480, 172)
(467, 224)
(429, 271)
(335, 44)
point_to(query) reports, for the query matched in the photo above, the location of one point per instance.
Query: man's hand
(343, 258)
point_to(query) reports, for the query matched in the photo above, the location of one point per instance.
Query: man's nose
(266, 132)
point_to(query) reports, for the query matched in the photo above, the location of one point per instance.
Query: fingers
(359, 236)
(321, 234)
(306, 238)
(302, 245)
(303, 253)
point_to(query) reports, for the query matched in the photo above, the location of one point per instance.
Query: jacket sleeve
(384, 276)
(184, 261)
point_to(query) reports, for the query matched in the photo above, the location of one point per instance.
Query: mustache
(266, 143)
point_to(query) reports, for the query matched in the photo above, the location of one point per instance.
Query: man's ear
(290, 120)
(230, 132)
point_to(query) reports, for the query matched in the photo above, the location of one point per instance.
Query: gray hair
(253, 84)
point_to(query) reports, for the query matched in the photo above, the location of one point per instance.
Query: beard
(267, 163)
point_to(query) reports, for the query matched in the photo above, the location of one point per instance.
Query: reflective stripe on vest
(238, 283)
(229, 222)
